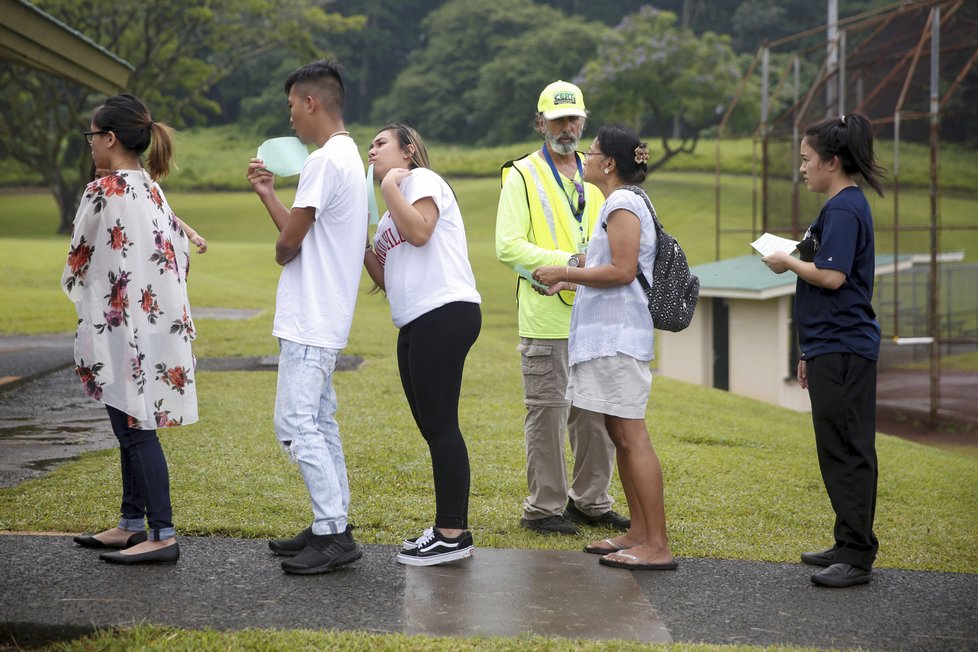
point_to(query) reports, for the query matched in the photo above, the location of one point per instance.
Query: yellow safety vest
(552, 224)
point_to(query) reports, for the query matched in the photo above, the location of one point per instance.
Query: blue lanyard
(579, 213)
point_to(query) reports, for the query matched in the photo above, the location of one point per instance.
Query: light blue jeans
(305, 424)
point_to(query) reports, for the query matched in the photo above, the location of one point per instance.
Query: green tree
(483, 66)
(649, 70)
(374, 56)
(505, 97)
(179, 50)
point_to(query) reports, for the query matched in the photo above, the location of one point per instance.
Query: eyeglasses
(587, 155)
(89, 135)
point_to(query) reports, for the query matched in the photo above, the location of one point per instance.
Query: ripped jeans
(305, 424)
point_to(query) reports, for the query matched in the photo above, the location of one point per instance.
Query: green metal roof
(746, 277)
(31, 37)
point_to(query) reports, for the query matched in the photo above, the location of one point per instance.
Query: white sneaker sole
(412, 560)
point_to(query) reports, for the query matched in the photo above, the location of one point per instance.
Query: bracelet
(367, 248)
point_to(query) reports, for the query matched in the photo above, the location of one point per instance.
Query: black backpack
(674, 292)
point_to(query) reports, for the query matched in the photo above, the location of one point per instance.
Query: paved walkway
(51, 589)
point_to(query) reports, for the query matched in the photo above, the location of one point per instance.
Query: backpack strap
(659, 231)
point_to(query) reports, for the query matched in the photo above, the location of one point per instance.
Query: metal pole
(716, 197)
(765, 73)
(896, 225)
(935, 352)
(832, 55)
(795, 145)
(842, 72)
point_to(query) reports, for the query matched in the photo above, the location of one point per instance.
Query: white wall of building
(759, 332)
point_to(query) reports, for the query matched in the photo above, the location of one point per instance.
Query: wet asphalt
(50, 589)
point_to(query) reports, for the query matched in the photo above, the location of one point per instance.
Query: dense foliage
(179, 51)
(463, 71)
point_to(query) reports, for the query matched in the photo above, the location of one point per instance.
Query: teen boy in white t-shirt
(320, 247)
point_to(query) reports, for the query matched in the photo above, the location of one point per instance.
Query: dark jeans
(842, 388)
(145, 479)
(431, 353)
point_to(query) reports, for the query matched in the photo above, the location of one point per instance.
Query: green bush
(215, 158)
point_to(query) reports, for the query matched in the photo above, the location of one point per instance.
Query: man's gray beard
(564, 149)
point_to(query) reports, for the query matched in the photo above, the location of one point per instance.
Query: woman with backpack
(611, 340)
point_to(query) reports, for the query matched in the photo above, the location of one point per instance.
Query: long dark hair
(129, 119)
(621, 143)
(850, 137)
(408, 135)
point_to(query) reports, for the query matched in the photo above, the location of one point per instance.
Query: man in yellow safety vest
(545, 217)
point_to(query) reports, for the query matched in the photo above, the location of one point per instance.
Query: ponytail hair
(850, 138)
(129, 119)
(160, 150)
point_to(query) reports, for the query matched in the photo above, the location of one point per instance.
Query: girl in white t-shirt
(419, 257)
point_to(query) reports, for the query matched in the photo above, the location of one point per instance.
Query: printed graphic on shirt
(386, 240)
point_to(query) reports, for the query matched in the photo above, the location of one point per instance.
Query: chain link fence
(912, 69)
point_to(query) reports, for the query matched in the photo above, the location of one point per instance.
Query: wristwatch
(573, 260)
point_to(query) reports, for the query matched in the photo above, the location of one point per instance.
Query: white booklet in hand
(768, 243)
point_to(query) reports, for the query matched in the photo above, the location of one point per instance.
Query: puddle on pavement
(47, 421)
(44, 466)
(41, 433)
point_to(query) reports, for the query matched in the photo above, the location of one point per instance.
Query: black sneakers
(411, 544)
(323, 553)
(433, 547)
(290, 547)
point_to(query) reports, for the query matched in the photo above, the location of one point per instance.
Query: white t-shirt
(317, 291)
(419, 279)
(609, 321)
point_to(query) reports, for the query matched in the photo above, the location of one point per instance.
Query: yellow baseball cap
(561, 99)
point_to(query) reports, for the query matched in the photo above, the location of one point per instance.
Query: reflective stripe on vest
(548, 202)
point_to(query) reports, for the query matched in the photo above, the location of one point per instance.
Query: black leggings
(431, 353)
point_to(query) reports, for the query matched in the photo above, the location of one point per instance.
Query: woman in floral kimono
(127, 275)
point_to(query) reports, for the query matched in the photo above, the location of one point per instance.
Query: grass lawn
(734, 468)
(167, 639)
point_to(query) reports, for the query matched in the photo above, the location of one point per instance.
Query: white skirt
(617, 385)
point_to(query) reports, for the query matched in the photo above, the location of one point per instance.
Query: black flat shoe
(88, 541)
(167, 555)
(839, 576)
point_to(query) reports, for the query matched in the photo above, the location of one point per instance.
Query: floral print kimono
(127, 276)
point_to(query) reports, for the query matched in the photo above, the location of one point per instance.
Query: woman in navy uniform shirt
(839, 337)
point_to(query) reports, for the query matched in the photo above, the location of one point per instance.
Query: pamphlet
(768, 243)
(528, 275)
(372, 196)
(283, 156)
